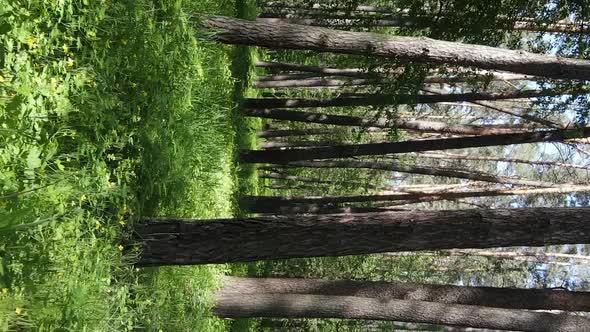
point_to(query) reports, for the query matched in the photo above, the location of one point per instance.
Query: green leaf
(5, 28)
(33, 160)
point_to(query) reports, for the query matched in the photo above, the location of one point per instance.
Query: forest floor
(108, 112)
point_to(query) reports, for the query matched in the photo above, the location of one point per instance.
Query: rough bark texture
(384, 100)
(509, 298)
(346, 120)
(176, 241)
(291, 36)
(344, 151)
(350, 307)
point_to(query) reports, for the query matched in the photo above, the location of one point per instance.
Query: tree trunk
(385, 100)
(295, 132)
(456, 76)
(294, 144)
(415, 125)
(175, 241)
(450, 156)
(314, 83)
(372, 149)
(298, 205)
(280, 176)
(528, 117)
(341, 21)
(350, 307)
(535, 256)
(425, 50)
(297, 325)
(508, 298)
(313, 131)
(424, 170)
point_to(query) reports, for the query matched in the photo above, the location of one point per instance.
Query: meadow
(112, 110)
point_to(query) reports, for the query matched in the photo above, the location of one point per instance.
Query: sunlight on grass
(109, 112)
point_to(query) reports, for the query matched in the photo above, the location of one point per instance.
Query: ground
(110, 111)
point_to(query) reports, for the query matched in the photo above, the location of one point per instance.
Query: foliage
(108, 111)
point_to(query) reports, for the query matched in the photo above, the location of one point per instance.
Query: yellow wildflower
(83, 198)
(98, 225)
(4, 290)
(120, 247)
(70, 62)
(19, 311)
(31, 41)
(122, 222)
(65, 48)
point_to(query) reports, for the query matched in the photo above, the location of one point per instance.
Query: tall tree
(451, 156)
(344, 151)
(509, 298)
(449, 172)
(291, 205)
(350, 307)
(384, 100)
(174, 241)
(424, 50)
(382, 122)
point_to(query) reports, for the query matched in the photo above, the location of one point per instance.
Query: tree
(176, 241)
(291, 205)
(421, 50)
(384, 100)
(414, 125)
(508, 298)
(372, 149)
(451, 156)
(350, 307)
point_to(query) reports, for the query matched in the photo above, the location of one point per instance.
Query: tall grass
(109, 111)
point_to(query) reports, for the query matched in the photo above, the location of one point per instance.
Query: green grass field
(110, 111)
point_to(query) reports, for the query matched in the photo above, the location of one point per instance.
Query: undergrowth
(109, 111)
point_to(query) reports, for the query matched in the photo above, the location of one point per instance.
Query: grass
(111, 111)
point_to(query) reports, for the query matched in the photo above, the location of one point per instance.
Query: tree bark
(384, 100)
(508, 298)
(425, 50)
(414, 125)
(372, 149)
(178, 241)
(299, 205)
(350, 307)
